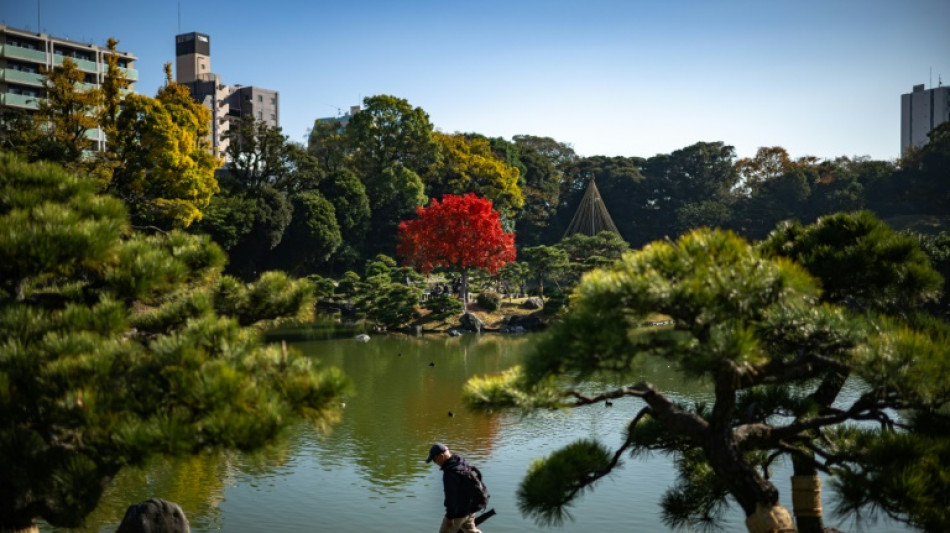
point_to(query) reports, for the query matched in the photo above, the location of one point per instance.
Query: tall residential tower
(921, 111)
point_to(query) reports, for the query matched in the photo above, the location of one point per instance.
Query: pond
(368, 473)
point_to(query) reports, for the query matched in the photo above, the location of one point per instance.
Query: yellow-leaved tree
(164, 169)
(66, 115)
(469, 165)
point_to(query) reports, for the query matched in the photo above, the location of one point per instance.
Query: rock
(154, 516)
(532, 322)
(344, 309)
(454, 333)
(471, 322)
(362, 337)
(533, 303)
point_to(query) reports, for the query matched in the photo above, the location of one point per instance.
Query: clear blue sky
(632, 78)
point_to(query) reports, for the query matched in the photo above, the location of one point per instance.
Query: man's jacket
(457, 497)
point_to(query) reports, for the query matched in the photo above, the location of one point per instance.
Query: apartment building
(922, 110)
(23, 55)
(227, 103)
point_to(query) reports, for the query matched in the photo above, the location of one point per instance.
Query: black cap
(436, 450)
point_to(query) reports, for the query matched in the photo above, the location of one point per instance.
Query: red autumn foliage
(461, 232)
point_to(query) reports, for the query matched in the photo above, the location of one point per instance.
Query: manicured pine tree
(116, 346)
(756, 329)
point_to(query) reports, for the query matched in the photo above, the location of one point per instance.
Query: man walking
(459, 516)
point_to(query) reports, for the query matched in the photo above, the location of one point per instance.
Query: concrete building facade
(227, 103)
(260, 104)
(24, 55)
(922, 110)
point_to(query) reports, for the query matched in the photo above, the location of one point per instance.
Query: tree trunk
(28, 529)
(806, 500)
(806, 488)
(464, 291)
(755, 494)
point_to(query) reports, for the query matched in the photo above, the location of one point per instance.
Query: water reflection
(406, 388)
(368, 474)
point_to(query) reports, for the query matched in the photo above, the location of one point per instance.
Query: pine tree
(755, 327)
(117, 346)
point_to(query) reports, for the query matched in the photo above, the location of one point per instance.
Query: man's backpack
(474, 490)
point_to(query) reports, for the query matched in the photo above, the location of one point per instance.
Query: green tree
(313, 235)
(865, 265)
(590, 251)
(18, 132)
(348, 195)
(327, 143)
(546, 262)
(544, 162)
(394, 194)
(165, 170)
(751, 325)
(701, 172)
(390, 132)
(258, 154)
(860, 261)
(384, 296)
(119, 346)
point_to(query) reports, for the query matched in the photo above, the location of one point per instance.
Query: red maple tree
(461, 232)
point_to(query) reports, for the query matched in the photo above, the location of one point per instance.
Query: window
(273, 100)
(260, 115)
(260, 98)
(273, 117)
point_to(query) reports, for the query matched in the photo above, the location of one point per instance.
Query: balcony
(130, 74)
(84, 65)
(17, 76)
(19, 100)
(15, 52)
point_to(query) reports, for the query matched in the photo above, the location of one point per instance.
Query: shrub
(489, 300)
(443, 306)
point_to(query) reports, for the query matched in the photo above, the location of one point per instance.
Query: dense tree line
(332, 205)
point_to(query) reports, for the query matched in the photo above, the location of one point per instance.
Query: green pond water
(368, 473)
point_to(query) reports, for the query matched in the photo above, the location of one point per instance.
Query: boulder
(532, 322)
(362, 337)
(471, 323)
(154, 516)
(533, 303)
(454, 333)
